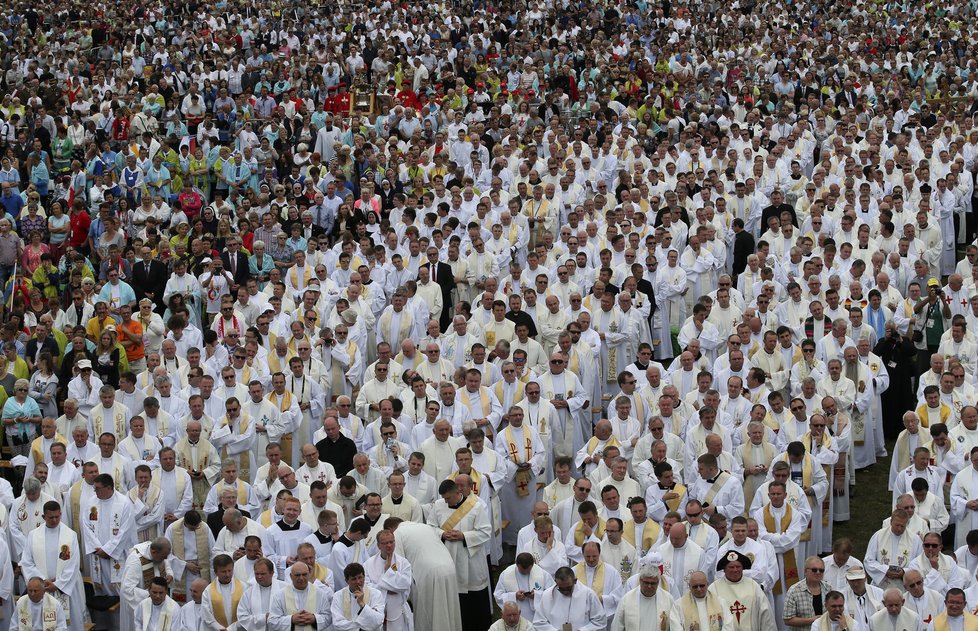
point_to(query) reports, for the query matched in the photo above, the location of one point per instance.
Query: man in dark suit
(776, 208)
(441, 273)
(743, 246)
(149, 279)
(236, 262)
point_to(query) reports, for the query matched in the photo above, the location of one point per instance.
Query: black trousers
(476, 615)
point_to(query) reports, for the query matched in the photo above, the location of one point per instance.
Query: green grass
(870, 506)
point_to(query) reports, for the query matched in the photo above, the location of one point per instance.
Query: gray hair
(32, 485)
(649, 570)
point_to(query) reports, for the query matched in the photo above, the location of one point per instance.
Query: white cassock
(162, 617)
(581, 611)
(53, 555)
(604, 580)
(177, 490)
(178, 557)
(614, 349)
(283, 541)
(191, 617)
(679, 563)
(964, 488)
(670, 283)
(107, 524)
(147, 511)
(256, 604)
(439, 457)
(519, 446)
(394, 581)
(435, 591)
(885, 550)
(227, 542)
(636, 612)
(210, 614)
(568, 435)
(24, 517)
(511, 581)
(134, 588)
(469, 555)
(347, 614)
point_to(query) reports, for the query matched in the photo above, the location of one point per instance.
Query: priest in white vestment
(568, 605)
(145, 562)
(109, 530)
(254, 608)
(895, 615)
(51, 553)
(646, 606)
(890, 550)
(38, 610)
(744, 604)
(391, 574)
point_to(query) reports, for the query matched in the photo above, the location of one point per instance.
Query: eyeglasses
(932, 545)
(816, 570)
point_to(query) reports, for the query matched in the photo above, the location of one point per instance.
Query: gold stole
(38, 451)
(649, 536)
(403, 330)
(970, 622)
(265, 519)
(597, 585)
(474, 476)
(244, 458)
(166, 616)
(579, 532)
(203, 552)
(790, 564)
(306, 276)
(517, 396)
(806, 440)
(152, 497)
(291, 604)
(217, 601)
(74, 496)
(721, 479)
(691, 614)
(748, 458)
(513, 233)
(456, 517)
(592, 443)
(242, 491)
(611, 372)
(680, 490)
(275, 363)
(283, 407)
(484, 405)
(523, 476)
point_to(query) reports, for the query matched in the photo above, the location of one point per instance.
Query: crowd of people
(487, 315)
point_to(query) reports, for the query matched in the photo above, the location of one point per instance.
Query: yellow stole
(579, 532)
(277, 364)
(217, 600)
(748, 456)
(460, 512)
(970, 622)
(790, 564)
(403, 330)
(597, 585)
(474, 476)
(517, 396)
(711, 493)
(266, 518)
(674, 503)
(691, 614)
(283, 407)
(244, 458)
(306, 276)
(649, 536)
(484, 405)
(592, 443)
(38, 451)
(806, 440)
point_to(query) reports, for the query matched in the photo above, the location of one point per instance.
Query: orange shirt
(135, 350)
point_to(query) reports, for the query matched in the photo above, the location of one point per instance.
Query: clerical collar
(345, 541)
(714, 478)
(323, 538)
(397, 500)
(454, 506)
(284, 526)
